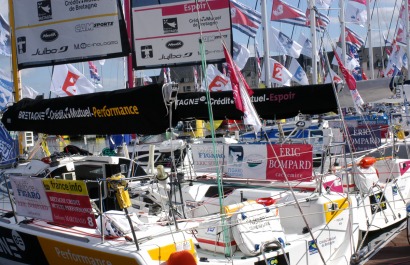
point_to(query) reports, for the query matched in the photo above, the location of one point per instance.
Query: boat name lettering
(28, 115)
(280, 97)
(64, 200)
(195, 7)
(68, 113)
(94, 44)
(8, 247)
(116, 111)
(175, 56)
(290, 164)
(67, 255)
(65, 187)
(366, 141)
(358, 131)
(327, 241)
(289, 151)
(257, 222)
(28, 194)
(92, 26)
(51, 51)
(209, 155)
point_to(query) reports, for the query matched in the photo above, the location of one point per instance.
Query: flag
(282, 43)
(363, 2)
(282, 12)
(307, 47)
(279, 74)
(169, 74)
(28, 92)
(6, 90)
(241, 93)
(68, 81)
(351, 63)
(333, 76)
(245, 19)
(216, 80)
(93, 72)
(354, 39)
(350, 81)
(164, 70)
(298, 73)
(9, 147)
(321, 22)
(355, 15)
(240, 55)
(258, 60)
(401, 34)
(323, 4)
(146, 80)
(5, 40)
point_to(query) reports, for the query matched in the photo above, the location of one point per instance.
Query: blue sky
(112, 72)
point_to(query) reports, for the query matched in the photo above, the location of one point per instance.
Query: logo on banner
(278, 11)
(218, 83)
(44, 10)
(404, 166)
(69, 83)
(49, 35)
(299, 75)
(46, 51)
(174, 44)
(21, 45)
(92, 26)
(147, 52)
(170, 25)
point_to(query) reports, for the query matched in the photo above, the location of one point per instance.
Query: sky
(112, 72)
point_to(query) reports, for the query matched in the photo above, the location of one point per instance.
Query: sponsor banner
(246, 161)
(364, 138)
(293, 159)
(70, 203)
(204, 157)
(30, 197)
(377, 202)
(173, 35)
(64, 31)
(58, 252)
(20, 248)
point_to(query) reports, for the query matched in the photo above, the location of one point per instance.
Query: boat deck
(395, 252)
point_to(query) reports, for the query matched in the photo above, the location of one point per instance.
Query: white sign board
(66, 31)
(169, 34)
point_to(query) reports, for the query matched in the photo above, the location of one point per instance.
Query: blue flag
(8, 147)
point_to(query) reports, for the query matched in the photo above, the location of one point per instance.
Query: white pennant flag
(279, 74)
(240, 55)
(337, 79)
(217, 81)
(68, 81)
(281, 43)
(351, 63)
(307, 46)
(355, 15)
(298, 73)
(28, 92)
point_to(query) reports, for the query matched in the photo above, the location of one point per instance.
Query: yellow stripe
(162, 253)
(66, 20)
(330, 215)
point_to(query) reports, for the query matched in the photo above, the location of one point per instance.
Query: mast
(343, 29)
(369, 37)
(266, 54)
(313, 38)
(16, 74)
(127, 15)
(406, 15)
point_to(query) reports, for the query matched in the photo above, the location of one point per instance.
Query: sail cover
(270, 103)
(58, 32)
(142, 110)
(136, 110)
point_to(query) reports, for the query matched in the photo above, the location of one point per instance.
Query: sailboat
(325, 229)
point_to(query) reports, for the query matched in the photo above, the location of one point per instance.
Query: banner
(172, 37)
(294, 159)
(69, 202)
(31, 199)
(59, 32)
(364, 137)
(204, 157)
